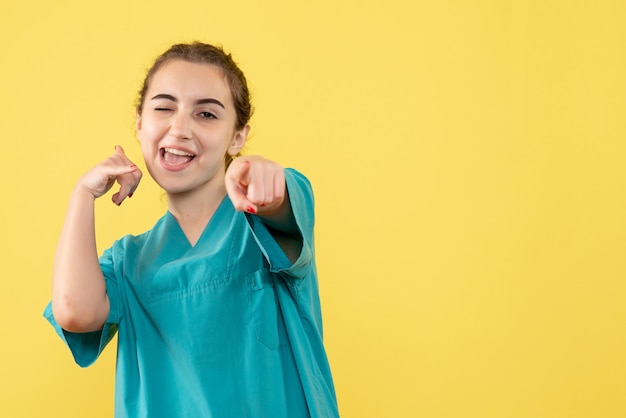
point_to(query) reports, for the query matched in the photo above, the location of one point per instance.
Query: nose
(181, 126)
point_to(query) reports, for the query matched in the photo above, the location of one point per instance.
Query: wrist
(82, 193)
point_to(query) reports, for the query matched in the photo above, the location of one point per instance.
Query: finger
(241, 172)
(273, 187)
(124, 192)
(257, 185)
(121, 195)
(128, 182)
(279, 187)
(237, 184)
(241, 202)
(121, 156)
(136, 175)
(133, 183)
(119, 150)
(106, 176)
(120, 170)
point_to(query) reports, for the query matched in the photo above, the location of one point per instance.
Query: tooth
(178, 152)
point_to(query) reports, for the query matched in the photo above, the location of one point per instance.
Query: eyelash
(204, 115)
(207, 115)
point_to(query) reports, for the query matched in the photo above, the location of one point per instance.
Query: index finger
(240, 172)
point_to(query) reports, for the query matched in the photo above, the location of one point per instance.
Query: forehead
(184, 79)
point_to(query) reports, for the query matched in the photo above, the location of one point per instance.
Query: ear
(138, 121)
(239, 140)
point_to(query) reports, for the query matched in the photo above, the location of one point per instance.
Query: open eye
(207, 115)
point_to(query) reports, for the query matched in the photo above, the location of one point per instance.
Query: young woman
(216, 307)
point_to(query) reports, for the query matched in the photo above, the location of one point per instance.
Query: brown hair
(201, 53)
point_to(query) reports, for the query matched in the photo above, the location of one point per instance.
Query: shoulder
(132, 242)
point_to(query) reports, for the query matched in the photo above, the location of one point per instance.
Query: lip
(175, 167)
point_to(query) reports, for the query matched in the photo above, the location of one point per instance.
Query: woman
(216, 307)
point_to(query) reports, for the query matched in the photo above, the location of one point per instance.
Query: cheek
(147, 142)
(148, 132)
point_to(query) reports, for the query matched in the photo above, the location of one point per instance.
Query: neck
(194, 209)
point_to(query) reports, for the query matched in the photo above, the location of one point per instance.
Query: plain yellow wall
(468, 162)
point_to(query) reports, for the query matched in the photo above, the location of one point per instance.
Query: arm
(257, 185)
(79, 299)
(282, 222)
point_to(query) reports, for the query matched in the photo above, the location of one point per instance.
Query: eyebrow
(200, 101)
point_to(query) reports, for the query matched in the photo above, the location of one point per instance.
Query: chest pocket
(269, 324)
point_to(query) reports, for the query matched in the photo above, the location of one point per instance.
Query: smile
(174, 159)
(173, 156)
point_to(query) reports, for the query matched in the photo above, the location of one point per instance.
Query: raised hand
(101, 178)
(255, 184)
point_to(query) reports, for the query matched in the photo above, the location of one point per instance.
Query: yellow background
(467, 158)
